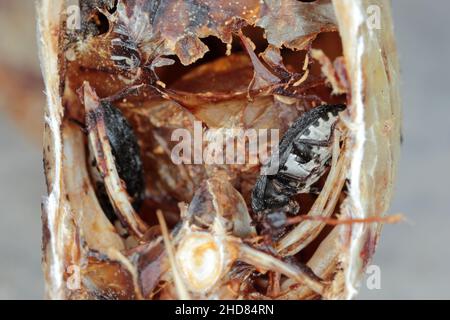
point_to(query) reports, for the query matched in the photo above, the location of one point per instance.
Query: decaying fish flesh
(123, 220)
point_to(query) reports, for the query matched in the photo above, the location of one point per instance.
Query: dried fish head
(170, 65)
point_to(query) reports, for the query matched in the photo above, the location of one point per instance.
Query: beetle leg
(274, 198)
(292, 207)
(314, 190)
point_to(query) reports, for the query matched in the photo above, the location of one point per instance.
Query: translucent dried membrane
(77, 233)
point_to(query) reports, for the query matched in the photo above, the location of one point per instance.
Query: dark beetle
(126, 152)
(304, 154)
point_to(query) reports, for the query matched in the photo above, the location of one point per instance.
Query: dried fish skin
(78, 236)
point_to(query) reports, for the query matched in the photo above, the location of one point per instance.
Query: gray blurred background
(414, 257)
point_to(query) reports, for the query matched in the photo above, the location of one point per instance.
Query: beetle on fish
(126, 152)
(116, 166)
(304, 155)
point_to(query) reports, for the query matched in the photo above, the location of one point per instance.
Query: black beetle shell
(264, 195)
(126, 152)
